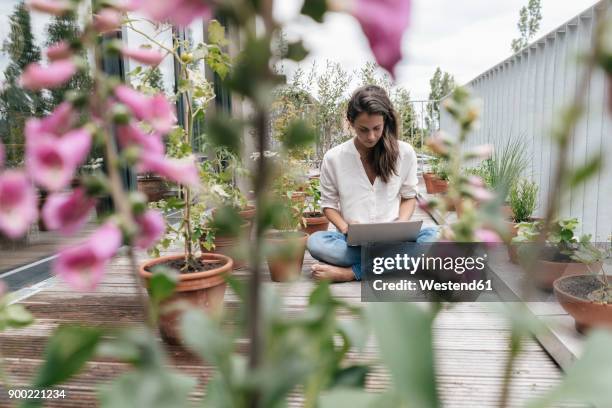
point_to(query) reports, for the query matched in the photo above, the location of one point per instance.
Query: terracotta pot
(427, 177)
(315, 221)
(506, 212)
(286, 263)
(315, 176)
(572, 291)
(247, 213)
(547, 272)
(438, 185)
(154, 187)
(226, 245)
(204, 290)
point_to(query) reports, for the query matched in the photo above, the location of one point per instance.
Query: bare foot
(323, 271)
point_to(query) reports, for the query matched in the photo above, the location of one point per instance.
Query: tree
(528, 24)
(16, 104)
(155, 79)
(409, 130)
(441, 84)
(66, 28)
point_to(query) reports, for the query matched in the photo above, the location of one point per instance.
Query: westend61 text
(429, 285)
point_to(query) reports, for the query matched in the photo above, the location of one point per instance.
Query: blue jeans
(330, 247)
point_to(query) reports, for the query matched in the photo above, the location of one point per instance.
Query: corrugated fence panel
(524, 94)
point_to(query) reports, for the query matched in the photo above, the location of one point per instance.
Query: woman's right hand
(347, 223)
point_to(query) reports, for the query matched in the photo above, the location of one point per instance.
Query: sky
(464, 38)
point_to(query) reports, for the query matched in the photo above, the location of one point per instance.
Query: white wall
(522, 94)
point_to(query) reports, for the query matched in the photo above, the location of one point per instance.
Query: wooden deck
(471, 342)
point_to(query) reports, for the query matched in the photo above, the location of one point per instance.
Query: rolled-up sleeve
(409, 185)
(329, 186)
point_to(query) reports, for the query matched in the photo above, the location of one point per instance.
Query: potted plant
(436, 181)
(554, 258)
(201, 277)
(523, 196)
(220, 239)
(286, 243)
(153, 186)
(313, 219)
(588, 297)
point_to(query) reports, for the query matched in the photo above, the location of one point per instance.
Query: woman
(370, 178)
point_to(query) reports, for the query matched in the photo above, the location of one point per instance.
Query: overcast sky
(463, 37)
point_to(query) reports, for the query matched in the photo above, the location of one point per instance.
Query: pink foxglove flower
(156, 110)
(182, 171)
(152, 227)
(57, 123)
(67, 212)
(180, 12)
(82, 266)
(59, 51)
(132, 135)
(55, 7)
(487, 236)
(145, 56)
(52, 161)
(384, 22)
(126, 5)
(17, 204)
(37, 77)
(107, 20)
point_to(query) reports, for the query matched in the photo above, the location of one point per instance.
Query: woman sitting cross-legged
(368, 179)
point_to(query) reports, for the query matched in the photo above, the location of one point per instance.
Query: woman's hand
(345, 229)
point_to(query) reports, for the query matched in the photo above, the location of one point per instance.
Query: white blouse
(345, 185)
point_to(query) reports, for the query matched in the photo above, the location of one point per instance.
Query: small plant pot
(315, 221)
(427, 180)
(226, 245)
(547, 272)
(247, 213)
(285, 263)
(572, 293)
(439, 186)
(203, 290)
(154, 187)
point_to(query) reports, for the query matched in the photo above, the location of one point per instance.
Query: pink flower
(145, 56)
(83, 266)
(439, 143)
(52, 161)
(17, 204)
(183, 171)
(384, 22)
(152, 227)
(125, 5)
(487, 236)
(156, 110)
(180, 12)
(480, 152)
(132, 135)
(67, 212)
(107, 20)
(59, 51)
(55, 7)
(475, 181)
(481, 194)
(57, 123)
(57, 73)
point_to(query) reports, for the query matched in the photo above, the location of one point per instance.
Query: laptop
(360, 234)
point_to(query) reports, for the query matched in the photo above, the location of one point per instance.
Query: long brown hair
(373, 99)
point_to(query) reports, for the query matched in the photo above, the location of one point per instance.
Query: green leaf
(162, 283)
(151, 388)
(589, 379)
(315, 9)
(352, 376)
(17, 315)
(216, 33)
(66, 353)
(350, 397)
(404, 334)
(299, 134)
(583, 173)
(227, 221)
(296, 51)
(203, 335)
(224, 131)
